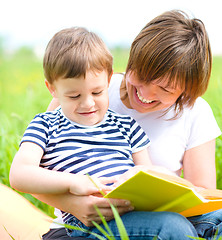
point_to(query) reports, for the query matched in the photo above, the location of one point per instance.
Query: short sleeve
(37, 131)
(203, 125)
(139, 139)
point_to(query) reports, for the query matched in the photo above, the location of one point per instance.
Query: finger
(98, 219)
(108, 214)
(105, 203)
(122, 210)
(120, 202)
(100, 188)
(101, 202)
(102, 180)
(101, 183)
(108, 180)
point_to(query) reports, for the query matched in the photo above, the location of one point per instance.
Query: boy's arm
(142, 158)
(27, 176)
(143, 162)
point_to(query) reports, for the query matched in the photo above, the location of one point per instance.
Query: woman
(168, 70)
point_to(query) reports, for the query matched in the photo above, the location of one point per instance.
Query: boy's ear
(51, 88)
(109, 79)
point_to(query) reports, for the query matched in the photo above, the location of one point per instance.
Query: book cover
(161, 192)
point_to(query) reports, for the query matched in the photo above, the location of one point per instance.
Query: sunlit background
(32, 23)
(26, 26)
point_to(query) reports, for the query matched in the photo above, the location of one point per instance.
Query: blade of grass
(8, 233)
(215, 236)
(103, 221)
(84, 230)
(120, 225)
(198, 238)
(103, 231)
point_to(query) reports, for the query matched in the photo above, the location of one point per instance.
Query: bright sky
(33, 23)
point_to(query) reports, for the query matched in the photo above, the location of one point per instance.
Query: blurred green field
(23, 94)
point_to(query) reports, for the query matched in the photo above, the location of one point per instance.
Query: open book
(154, 191)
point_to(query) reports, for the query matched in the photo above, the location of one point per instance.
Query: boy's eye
(74, 97)
(97, 93)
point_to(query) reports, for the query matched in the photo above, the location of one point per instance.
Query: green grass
(23, 94)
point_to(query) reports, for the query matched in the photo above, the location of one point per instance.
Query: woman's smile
(142, 104)
(142, 99)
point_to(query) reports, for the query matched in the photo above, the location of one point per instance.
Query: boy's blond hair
(72, 52)
(176, 48)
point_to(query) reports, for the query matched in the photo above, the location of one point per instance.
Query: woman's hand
(87, 214)
(83, 207)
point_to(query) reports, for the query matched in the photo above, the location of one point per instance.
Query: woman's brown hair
(174, 47)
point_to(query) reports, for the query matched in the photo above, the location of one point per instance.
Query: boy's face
(83, 100)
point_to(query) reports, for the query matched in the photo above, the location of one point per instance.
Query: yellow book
(154, 191)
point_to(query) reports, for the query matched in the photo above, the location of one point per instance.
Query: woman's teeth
(143, 99)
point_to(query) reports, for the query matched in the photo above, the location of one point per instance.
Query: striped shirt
(102, 150)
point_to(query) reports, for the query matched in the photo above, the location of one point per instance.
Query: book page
(149, 192)
(172, 178)
(211, 194)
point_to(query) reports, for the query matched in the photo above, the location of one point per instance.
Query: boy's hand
(87, 185)
(128, 174)
(132, 171)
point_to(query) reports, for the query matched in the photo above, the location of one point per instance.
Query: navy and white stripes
(101, 150)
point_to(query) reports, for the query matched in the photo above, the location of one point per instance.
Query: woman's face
(149, 97)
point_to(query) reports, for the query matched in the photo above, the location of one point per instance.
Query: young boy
(82, 136)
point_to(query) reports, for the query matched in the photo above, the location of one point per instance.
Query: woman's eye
(166, 90)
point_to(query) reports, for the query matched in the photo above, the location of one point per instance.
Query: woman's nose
(148, 90)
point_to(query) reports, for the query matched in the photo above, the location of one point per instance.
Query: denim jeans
(209, 224)
(144, 225)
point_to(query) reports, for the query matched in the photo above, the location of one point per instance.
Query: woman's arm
(53, 104)
(83, 206)
(199, 165)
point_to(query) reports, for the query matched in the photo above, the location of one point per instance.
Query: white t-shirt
(170, 138)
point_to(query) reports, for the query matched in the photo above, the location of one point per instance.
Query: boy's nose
(87, 102)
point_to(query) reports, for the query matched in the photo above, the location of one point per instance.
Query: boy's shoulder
(49, 116)
(118, 115)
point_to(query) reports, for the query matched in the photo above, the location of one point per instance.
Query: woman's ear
(51, 88)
